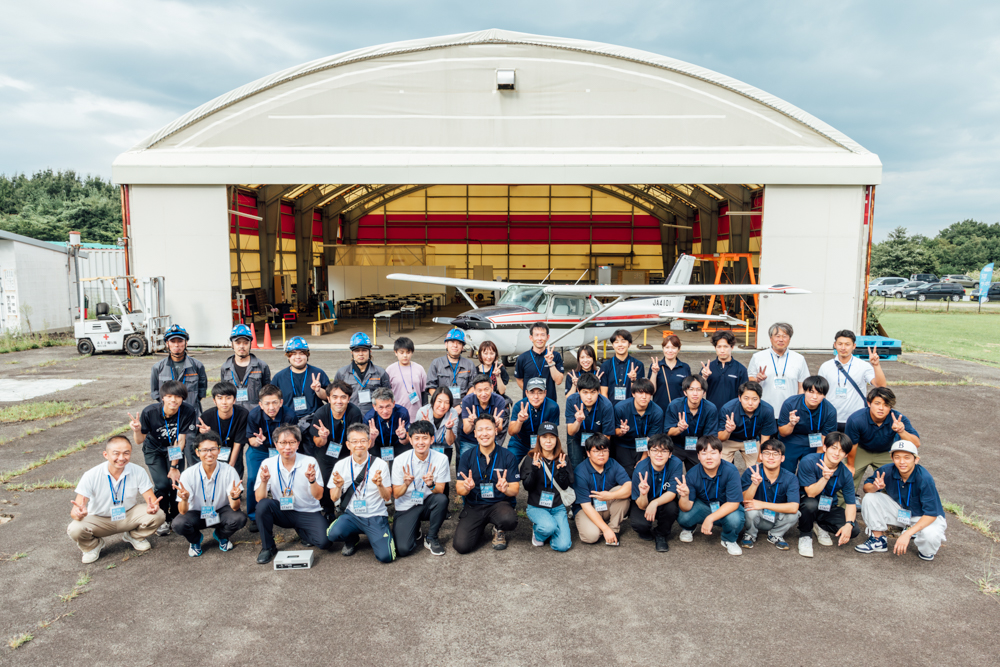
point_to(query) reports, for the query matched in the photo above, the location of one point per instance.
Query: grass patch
(989, 582)
(934, 383)
(6, 476)
(78, 588)
(76, 415)
(27, 412)
(961, 335)
(17, 342)
(14, 557)
(20, 640)
(45, 624)
(975, 521)
(60, 483)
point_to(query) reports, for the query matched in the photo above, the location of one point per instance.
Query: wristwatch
(853, 524)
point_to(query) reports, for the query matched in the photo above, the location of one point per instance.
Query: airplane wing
(701, 317)
(670, 290)
(461, 283)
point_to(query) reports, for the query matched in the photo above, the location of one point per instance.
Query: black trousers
(406, 524)
(688, 457)
(190, 524)
(159, 466)
(310, 525)
(831, 521)
(472, 520)
(628, 458)
(666, 515)
(326, 464)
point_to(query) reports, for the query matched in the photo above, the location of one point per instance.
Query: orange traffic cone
(253, 337)
(267, 338)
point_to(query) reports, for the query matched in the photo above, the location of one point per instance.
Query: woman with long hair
(586, 362)
(541, 469)
(490, 364)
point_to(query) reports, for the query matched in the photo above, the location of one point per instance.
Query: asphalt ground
(522, 606)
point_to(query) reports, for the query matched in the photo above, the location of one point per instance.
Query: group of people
(657, 445)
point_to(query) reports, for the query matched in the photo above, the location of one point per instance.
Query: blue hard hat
(455, 334)
(360, 340)
(176, 331)
(297, 344)
(241, 331)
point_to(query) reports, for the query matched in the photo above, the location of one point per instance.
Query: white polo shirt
(418, 468)
(842, 395)
(790, 367)
(374, 505)
(205, 491)
(96, 483)
(302, 498)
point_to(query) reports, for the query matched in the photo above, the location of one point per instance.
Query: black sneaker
(646, 537)
(662, 545)
(434, 545)
(253, 526)
(264, 557)
(349, 549)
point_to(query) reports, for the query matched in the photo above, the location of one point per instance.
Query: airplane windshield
(527, 296)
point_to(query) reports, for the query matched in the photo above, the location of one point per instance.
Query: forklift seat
(102, 309)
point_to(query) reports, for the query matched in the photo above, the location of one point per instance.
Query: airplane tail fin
(681, 273)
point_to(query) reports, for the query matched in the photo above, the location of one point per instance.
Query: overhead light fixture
(505, 79)
(743, 213)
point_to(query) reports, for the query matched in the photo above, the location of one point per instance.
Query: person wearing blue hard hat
(244, 369)
(301, 384)
(452, 371)
(181, 367)
(361, 374)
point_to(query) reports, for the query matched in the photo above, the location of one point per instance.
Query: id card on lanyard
(691, 441)
(118, 504)
(456, 391)
(620, 391)
(364, 394)
(333, 448)
(386, 451)
(174, 452)
(904, 515)
(641, 444)
(242, 393)
(547, 498)
(287, 501)
(299, 403)
(208, 513)
(826, 500)
(779, 380)
(841, 391)
(486, 488)
(358, 502)
(769, 515)
(815, 438)
(714, 505)
(600, 505)
(225, 451)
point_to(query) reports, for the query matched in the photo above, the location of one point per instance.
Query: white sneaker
(822, 536)
(733, 548)
(806, 546)
(137, 544)
(535, 542)
(95, 553)
(686, 536)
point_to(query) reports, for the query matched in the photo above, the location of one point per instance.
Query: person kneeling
(600, 506)
(362, 505)
(541, 470)
(295, 488)
(106, 503)
(770, 497)
(820, 475)
(715, 496)
(208, 496)
(419, 482)
(654, 492)
(889, 501)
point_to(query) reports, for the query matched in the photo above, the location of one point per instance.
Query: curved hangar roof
(429, 111)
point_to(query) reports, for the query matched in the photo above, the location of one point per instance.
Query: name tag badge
(486, 490)
(333, 449)
(546, 499)
(272, 452)
(768, 515)
(117, 512)
(286, 503)
(584, 437)
(359, 505)
(690, 443)
(815, 440)
(642, 444)
(387, 453)
(417, 497)
(714, 507)
(209, 515)
(600, 505)
(225, 453)
(299, 403)
(903, 515)
(438, 448)
(242, 395)
(174, 453)
(780, 383)
(825, 503)
(456, 391)
(414, 399)
(533, 439)
(750, 446)
(364, 396)
(840, 392)
(619, 393)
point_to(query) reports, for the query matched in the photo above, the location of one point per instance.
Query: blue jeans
(347, 527)
(518, 449)
(463, 447)
(551, 523)
(731, 524)
(254, 458)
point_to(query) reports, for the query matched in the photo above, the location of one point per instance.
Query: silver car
(897, 291)
(964, 281)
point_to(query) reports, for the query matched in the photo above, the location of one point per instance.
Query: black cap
(548, 428)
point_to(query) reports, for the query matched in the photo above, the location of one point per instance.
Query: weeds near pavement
(20, 640)
(42, 410)
(936, 383)
(989, 583)
(16, 342)
(6, 476)
(975, 521)
(14, 557)
(61, 483)
(75, 415)
(78, 588)
(45, 624)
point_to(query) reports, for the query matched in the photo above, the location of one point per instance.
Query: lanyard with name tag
(225, 453)
(456, 392)
(272, 452)
(359, 505)
(840, 392)
(117, 504)
(546, 499)
(825, 503)
(600, 505)
(815, 440)
(438, 448)
(642, 444)
(417, 496)
(533, 438)
(286, 502)
(414, 399)
(209, 515)
(364, 397)
(750, 446)
(242, 395)
(387, 453)
(768, 515)
(619, 393)
(334, 449)
(714, 506)
(118, 513)
(299, 404)
(901, 514)
(690, 443)
(486, 489)
(174, 453)
(584, 437)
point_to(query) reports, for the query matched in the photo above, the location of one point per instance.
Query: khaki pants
(613, 516)
(862, 459)
(730, 447)
(138, 523)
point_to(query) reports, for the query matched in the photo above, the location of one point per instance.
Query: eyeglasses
(288, 442)
(770, 453)
(357, 442)
(208, 450)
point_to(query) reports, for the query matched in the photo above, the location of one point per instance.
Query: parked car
(925, 277)
(898, 291)
(881, 283)
(992, 295)
(964, 281)
(952, 291)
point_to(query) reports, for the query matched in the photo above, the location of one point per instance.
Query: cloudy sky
(916, 82)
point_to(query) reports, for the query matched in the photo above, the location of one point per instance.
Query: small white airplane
(573, 312)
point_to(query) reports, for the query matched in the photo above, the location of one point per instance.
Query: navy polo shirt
(548, 411)
(725, 380)
(863, 432)
(259, 421)
(669, 378)
(725, 487)
(387, 429)
(530, 365)
(751, 427)
(822, 420)
(842, 480)
(484, 470)
(470, 402)
(659, 483)
(299, 384)
(598, 419)
(645, 426)
(616, 375)
(919, 494)
(706, 422)
(784, 490)
(585, 477)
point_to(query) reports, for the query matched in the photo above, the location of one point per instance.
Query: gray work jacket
(257, 375)
(374, 377)
(194, 378)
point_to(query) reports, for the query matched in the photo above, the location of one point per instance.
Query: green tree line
(48, 205)
(962, 248)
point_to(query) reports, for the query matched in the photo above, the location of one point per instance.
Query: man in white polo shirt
(779, 371)
(419, 481)
(106, 503)
(850, 376)
(296, 487)
(361, 483)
